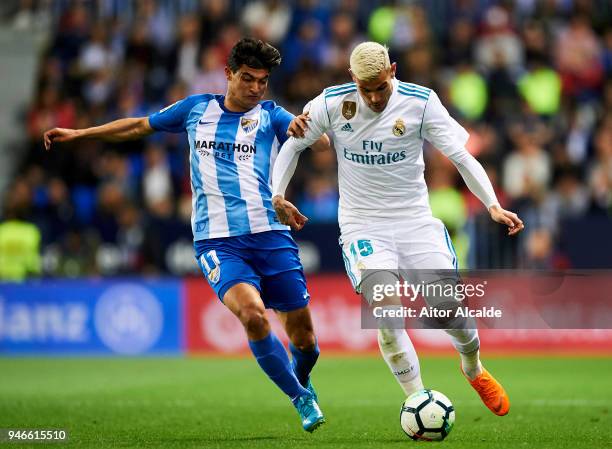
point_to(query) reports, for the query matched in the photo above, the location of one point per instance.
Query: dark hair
(253, 53)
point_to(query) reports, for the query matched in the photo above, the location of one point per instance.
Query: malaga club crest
(399, 129)
(248, 124)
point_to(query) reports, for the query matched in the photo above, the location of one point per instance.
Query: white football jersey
(380, 155)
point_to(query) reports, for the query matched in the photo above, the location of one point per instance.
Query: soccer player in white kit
(378, 125)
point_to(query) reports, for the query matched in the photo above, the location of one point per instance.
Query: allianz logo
(43, 322)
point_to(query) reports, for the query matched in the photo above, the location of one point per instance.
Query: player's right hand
(298, 126)
(510, 219)
(288, 214)
(59, 135)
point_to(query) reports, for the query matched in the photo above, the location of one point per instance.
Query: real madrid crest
(399, 129)
(348, 109)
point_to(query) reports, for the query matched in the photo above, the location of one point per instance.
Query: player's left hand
(510, 219)
(298, 126)
(288, 214)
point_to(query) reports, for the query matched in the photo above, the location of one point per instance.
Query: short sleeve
(281, 118)
(172, 118)
(440, 129)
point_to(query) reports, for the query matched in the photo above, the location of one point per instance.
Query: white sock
(399, 353)
(470, 363)
(467, 343)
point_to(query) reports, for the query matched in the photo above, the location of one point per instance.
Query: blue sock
(272, 357)
(303, 361)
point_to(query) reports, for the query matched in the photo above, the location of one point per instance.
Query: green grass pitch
(228, 403)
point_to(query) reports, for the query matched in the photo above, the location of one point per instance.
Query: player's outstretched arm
(284, 168)
(478, 182)
(311, 134)
(450, 138)
(283, 171)
(116, 131)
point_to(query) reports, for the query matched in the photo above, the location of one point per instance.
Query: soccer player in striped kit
(378, 125)
(248, 257)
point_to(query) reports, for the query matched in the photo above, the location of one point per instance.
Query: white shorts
(421, 243)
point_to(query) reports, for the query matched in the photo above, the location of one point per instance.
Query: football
(427, 415)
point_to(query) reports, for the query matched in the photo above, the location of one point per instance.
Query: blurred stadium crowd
(531, 81)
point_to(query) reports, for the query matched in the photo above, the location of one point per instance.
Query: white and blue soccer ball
(427, 415)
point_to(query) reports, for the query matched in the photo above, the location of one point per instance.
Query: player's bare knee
(254, 319)
(304, 341)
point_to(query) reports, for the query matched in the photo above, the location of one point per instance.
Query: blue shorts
(268, 261)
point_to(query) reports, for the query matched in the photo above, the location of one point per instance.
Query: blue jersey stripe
(340, 87)
(411, 89)
(261, 164)
(451, 248)
(337, 91)
(415, 86)
(412, 94)
(349, 271)
(227, 177)
(425, 90)
(335, 94)
(423, 118)
(201, 222)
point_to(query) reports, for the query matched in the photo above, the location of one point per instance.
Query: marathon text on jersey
(225, 146)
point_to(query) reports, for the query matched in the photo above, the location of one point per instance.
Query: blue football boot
(310, 388)
(309, 411)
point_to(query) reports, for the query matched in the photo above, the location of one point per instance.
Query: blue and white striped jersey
(231, 159)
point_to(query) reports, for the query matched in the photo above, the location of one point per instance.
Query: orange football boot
(491, 392)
